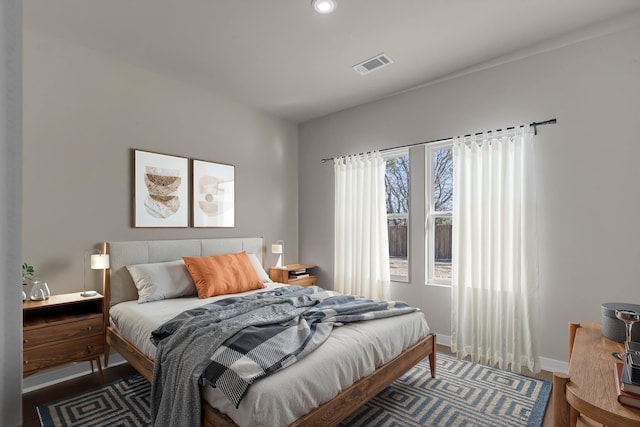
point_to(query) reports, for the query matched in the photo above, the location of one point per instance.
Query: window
(439, 177)
(397, 199)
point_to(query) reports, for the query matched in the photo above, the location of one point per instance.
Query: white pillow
(161, 280)
(258, 267)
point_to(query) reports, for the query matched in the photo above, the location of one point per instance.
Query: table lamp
(278, 249)
(99, 261)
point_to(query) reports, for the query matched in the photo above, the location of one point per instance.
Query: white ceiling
(282, 57)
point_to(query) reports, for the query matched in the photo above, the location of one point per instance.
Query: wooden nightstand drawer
(62, 329)
(307, 281)
(54, 332)
(64, 352)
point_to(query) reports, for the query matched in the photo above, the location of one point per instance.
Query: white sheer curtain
(495, 255)
(361, 241)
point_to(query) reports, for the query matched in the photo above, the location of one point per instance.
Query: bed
(387, 349)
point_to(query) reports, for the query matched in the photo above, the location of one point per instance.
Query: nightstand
(295, 274)
(62, 329)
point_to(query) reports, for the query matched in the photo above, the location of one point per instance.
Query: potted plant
(27, 276)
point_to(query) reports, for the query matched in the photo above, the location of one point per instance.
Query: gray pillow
(258, 267)
(161, 280)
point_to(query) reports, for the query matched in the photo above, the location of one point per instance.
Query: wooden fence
(398, 241)
(442, 243)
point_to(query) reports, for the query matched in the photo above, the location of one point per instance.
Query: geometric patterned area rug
(124, 403)
(462, 394)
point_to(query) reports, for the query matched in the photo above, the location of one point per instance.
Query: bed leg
(106, 355)
(432, 358)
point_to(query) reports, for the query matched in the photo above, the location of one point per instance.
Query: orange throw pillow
(222, 274)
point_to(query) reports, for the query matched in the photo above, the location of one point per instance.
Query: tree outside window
(439, 206)
(397, 200)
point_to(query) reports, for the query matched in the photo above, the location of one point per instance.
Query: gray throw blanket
(232, 342)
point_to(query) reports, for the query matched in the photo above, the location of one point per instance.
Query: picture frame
(213, 194)
(160, 190)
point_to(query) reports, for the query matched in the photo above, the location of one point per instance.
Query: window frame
(431, 215)
(391, 154)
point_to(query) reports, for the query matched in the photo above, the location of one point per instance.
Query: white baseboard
(444, 340)
(552, 365)
(546, 364)
(64, 373)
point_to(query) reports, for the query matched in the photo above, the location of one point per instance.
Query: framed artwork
(213, 194)
(161, 190)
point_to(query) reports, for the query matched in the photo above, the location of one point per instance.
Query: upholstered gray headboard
(117, 281)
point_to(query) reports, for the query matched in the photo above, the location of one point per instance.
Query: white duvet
(351, 353)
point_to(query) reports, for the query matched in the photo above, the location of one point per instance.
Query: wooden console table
(589, 388)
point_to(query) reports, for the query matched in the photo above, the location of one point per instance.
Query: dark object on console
(613, 328)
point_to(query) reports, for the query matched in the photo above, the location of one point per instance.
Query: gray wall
(11, 195)
(84, 112)
(587, 171)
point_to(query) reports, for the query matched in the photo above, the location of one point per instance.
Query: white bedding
(351, 352)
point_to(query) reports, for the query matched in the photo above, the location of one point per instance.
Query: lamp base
(279, 262)
(88, 294)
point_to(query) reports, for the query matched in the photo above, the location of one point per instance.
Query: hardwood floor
(88, 382)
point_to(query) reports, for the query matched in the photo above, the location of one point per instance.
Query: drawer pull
(90, 328)
(26, 362)
(25, 341)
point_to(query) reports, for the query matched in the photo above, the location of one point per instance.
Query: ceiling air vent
(372, 64)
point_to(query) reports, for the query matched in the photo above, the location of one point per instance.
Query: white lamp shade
(99, 262)
(276, 249)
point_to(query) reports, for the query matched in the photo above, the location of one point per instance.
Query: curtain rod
(532, 124)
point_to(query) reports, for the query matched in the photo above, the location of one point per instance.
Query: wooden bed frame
(330, 413)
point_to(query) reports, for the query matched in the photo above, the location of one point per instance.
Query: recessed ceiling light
(323, 6)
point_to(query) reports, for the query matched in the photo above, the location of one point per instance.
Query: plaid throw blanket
(258, 347)
(259, 351)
